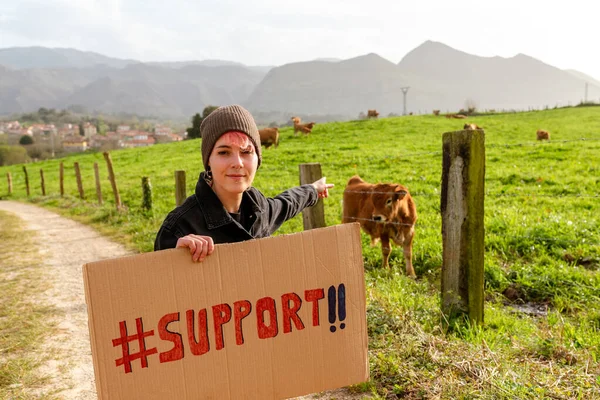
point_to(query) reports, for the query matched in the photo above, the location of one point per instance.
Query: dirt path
(66, 245)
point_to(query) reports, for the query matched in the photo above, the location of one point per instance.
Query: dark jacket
(203, 214)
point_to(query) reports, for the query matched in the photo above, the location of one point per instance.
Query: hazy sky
(275, 32)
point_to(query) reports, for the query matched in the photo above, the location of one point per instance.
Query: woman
(225, 207)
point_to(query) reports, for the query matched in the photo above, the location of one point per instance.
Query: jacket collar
(214, 213)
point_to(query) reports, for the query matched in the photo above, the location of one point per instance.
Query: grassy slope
(542, 241)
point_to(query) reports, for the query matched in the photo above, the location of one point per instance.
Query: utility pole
(404, 91)
(586, 92)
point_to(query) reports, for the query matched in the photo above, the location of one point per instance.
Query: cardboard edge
(360, 256)
(358, 244)
(88, 302)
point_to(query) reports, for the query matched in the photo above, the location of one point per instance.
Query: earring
(209, 176)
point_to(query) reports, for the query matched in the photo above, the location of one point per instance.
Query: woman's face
(233, 162)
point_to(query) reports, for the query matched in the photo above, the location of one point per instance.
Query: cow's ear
(399, 194)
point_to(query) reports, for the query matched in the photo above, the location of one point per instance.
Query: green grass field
(542, 241)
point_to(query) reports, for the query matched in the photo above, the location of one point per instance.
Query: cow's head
(386, 201)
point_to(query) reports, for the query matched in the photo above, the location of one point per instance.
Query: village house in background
(51, 140)
(89, 130)
(74, 144)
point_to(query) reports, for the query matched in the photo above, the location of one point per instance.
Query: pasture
(541, 336)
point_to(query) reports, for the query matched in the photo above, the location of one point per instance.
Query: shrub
(25, 140)
(12, 155)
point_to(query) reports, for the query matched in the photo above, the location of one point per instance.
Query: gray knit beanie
(227, 119)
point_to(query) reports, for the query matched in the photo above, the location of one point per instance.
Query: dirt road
(66, 245)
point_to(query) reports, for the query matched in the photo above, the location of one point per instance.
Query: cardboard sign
(270, 318)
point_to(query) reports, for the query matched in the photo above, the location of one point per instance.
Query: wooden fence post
(146, 193)
(42, 183)
(26, 179)
(312, 217)
(61, 173)
(462, 207)
(111, 177)
(98, 186)
(79, 183)
(9, 177)
(180, 194)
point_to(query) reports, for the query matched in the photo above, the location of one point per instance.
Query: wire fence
(508, 145)
(436, 194)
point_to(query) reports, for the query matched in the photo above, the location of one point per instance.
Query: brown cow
(372, 114)
(471, 127)
(385, 211)
(543, 135)
(269, 136)
(436, 112)
(304, 128)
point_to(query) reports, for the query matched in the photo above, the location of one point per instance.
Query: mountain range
(434, 76)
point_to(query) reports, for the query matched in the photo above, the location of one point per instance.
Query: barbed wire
(438, 194)
(541, 144)
(368, 192)
(487, 194)
(575, 195)
(541, 238)
(404, 155)
(387, 222)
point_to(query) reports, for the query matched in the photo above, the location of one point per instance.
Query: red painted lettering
(314, 296)
(200, 346)
(241, 309)
(176, 353)
(290, 313)
(266, 304)
(221, 316)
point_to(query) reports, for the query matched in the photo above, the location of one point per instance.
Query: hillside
(43, 57)
(137, 88)
(323, 87)
(585, 77)
(517, 82)
(439, 77)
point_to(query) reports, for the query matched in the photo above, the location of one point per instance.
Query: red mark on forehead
(238, 139)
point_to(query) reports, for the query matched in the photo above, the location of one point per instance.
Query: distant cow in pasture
(372, 114)
(304, 128)
(385, 211)
(436, 112)
(543, 135)
(471, 127)
(269, 137)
